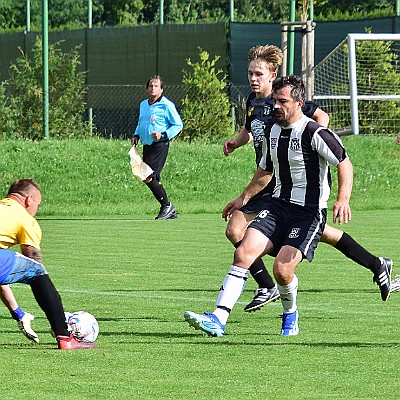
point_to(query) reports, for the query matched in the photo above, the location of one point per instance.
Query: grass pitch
(138, 276)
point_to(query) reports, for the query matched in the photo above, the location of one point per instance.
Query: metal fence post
(45, 60)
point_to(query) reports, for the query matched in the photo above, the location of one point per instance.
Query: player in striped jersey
(262, 70)
(264, 62)
(299, 151)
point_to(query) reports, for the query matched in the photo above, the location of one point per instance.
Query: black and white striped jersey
(299, 155)
(260, 116)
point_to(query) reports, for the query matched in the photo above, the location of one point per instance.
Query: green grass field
(93, 177)
(107, 255)
(138, 276)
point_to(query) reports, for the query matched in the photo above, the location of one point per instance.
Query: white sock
(230, 291)
(288, 295)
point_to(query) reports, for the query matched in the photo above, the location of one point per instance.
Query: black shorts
(258, 202)
(289, 224)
(155, 155)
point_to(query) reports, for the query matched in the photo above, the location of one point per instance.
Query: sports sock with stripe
(230, 291)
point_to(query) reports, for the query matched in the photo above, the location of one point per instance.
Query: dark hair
(298, 91)
(158, 77)
(23, 187)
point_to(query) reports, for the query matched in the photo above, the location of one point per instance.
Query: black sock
(49, 301)
(260, 273)
(351, 249)
(158, 192)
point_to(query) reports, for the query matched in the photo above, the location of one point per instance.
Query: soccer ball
(83, 326)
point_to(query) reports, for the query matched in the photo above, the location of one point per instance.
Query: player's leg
(254, 245)
(267, 290)
(285, 264)
(302, 232)
(23, 318)
(155, 156)
(381, 267)
(22, 269)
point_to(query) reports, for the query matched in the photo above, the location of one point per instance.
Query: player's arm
(31, 252)
(341, 208)
(321, 117)
(311, 110)
(173, 121)
(241, 139)
(260, 180)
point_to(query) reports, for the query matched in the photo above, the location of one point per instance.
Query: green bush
(206, 106)
(22, 107)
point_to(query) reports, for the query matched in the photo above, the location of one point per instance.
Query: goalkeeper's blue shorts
(22, 270)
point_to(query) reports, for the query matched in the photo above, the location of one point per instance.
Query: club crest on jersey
(295, 144)
(273, 142)
(267, 110)
(294, 234)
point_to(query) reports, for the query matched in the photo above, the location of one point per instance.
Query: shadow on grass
(184, 290)
(197, 290)
(340, 290)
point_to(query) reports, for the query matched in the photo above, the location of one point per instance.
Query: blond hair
(270, 54)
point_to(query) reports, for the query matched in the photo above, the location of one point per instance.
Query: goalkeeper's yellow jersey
(17, 226)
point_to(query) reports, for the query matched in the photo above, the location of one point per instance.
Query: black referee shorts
(155, 156)
(289, 224)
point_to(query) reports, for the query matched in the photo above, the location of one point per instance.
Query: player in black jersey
(263, 65)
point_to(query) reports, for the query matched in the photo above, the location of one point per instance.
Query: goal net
(358, 84)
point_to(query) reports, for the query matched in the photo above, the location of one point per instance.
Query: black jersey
(259, 118)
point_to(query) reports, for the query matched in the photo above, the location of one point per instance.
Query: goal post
(358, 84)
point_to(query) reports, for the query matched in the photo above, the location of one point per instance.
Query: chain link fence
(113, 110)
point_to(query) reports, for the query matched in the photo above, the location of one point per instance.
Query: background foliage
(22, 104)
(377, 72)
(72, 14)
(206, 105)
(371, 77)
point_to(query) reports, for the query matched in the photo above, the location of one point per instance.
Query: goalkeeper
(18, 226)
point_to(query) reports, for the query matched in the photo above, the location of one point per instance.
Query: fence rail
(114, 108)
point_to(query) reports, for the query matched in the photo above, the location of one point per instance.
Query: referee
(159, 122)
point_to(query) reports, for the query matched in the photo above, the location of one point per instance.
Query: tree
(73, 13)
(377, 65)
(206, 106)
(122, 12)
